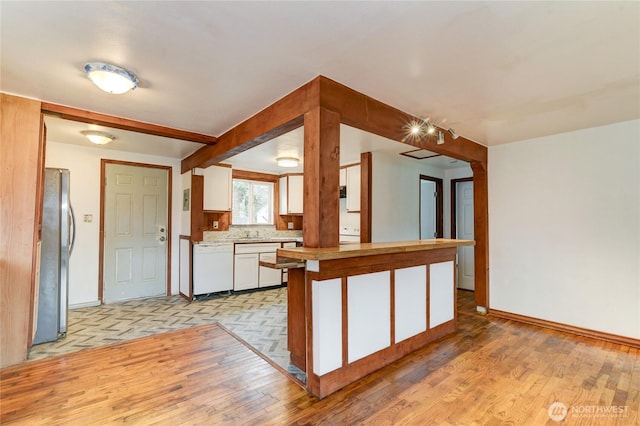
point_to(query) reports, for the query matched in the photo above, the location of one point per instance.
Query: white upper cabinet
(353, 188)
(217, 188)
(343, 177)
(291, 189)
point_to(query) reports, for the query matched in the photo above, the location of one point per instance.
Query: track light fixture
(418, 129)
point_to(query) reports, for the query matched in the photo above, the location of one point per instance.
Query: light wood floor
(491, 371)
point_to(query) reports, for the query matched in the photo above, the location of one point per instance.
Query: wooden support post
(481, 232)
(366, 176)
(321, 178)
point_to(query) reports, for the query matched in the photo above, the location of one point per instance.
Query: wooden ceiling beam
(355, 109)
(277, 119)
(75, 114)
(365, 113)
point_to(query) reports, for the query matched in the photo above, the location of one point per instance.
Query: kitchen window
(252, 202)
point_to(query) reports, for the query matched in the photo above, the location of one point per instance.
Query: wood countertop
(369, 249)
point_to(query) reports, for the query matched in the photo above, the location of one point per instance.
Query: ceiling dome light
(287, 162)
(99, 138)
(110, 78)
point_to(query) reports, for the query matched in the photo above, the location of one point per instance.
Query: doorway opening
(431, 207)
(462, 215)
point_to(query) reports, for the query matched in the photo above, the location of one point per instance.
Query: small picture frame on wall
(185, 199)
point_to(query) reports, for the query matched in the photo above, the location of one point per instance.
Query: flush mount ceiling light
(287, 162)
(110, 78)
(99, 138)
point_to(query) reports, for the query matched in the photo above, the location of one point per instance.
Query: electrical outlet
(88, 217)
(215, 224)
(289, 225)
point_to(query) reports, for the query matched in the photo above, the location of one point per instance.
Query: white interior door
(464, 231)
(427, 209)
(135, 232)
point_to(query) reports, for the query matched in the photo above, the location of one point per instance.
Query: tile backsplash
(254, 231)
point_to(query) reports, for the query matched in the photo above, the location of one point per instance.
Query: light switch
(88, 218)
(289, 225)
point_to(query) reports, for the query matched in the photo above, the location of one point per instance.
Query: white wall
(395, 196)
(564, 228)
(84, 164)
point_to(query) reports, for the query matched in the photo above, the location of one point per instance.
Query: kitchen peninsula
(358, 307)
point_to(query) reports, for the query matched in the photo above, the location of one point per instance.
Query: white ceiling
(497, 72)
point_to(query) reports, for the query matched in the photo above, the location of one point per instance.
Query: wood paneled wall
(21, 154)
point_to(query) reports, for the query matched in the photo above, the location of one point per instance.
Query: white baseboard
(84, 305)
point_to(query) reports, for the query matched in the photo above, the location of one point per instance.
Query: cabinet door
(217, 188)
(282, 190)
(245, 270)
(353, 188)
(295, 190)
(290, 189)
(343, 177)
(269, 276)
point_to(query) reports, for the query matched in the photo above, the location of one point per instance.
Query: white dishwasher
(212, 268)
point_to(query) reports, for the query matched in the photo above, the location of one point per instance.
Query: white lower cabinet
(248, 273)
(245, 271)
(268, 276)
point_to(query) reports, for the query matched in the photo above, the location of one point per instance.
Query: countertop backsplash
(238, 232)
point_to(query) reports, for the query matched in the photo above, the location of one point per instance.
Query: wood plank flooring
(491, 371)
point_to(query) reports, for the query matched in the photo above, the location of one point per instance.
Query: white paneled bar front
(362, 306)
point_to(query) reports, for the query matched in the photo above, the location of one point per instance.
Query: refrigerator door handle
(73, 229)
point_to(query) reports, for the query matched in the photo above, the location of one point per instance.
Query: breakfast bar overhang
(355, 308)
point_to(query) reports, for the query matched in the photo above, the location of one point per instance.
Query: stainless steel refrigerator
(58, 233)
